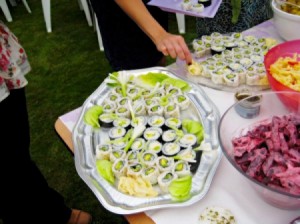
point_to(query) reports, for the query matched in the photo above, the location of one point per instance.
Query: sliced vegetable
(104, 168)
(180, 188)
(91, 116)
(194, 127)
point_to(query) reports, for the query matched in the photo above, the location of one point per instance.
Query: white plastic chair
(180, 22)
(98, 33)
(5, 9)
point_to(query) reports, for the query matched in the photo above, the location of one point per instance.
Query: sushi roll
(109, 107)
(218, 57)
(197, 8)
(154, 146)
(252, 78)
(186, 4)
(246, 62)
(208, 48)
(123, 101)
(116, 132)
(117, 154)
(123, 111)
(152, 133)
(119, 143)
(217, 77)
(206, 39)
(149, 158)
(172, 110)
(239, 69)
(207, 70)
(132, 92)
(135, 170)
(106, 120)
(174, 91)
(231, 79)
(138, 144)
(117, 91)
(165, 163)
(103, 151)
(151, 174)
(216, 35)
(200, 52)
(165, 179)
(156, 110)
(205, 3)
(229, 45)
(132, 157)
(188, 140)
(249, 39)
(169, 136)
(227, 54)
(236, 36)
(140, 120)
(170, 149)
(113, 98)
(140, 110)
(197, 43)
(173, 122)
(150, 103)
(156, 121)
(257, 58)
(217, 49)
(181, 168)
(119, 168)
(122, 122)
(183, 101)
(146, 94)
(242, 43)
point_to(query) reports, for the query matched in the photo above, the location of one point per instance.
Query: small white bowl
(287, 25)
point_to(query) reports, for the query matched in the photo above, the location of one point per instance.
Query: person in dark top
(135, 35)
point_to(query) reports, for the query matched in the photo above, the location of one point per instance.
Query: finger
(171, 49)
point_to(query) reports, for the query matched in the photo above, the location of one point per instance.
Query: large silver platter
(85, 139)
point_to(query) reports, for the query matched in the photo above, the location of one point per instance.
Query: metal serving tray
(85, 140)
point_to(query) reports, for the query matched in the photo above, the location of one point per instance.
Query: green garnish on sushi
(168, 176)
(164, 162)
(181, 98)
(155, 108)
(122, 110)
(148, 157)
(170, 108)
(179, 167)
(119, 165)
(149, 170)
(136, 168)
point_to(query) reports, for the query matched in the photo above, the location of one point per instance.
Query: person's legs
(25, 196)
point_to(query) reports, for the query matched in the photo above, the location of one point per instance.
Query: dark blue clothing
(126, 46)
(253, 12)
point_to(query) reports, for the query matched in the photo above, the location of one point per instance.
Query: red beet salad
(270, 153)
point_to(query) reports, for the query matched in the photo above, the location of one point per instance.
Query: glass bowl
(245, 115)
(286, 49)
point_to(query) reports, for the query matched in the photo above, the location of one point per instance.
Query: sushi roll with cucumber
(138, 144)
(117, 154)
(170, 149)
(151, 174)
(135, 170)
(109, 107)
(188, 140)
(156, 110)
(132, 157)
(231, 79)
(165, 179)
(103, 151)
(122, 122)
(152, 133)
(186, 4)
(165, 163)
(140, 120)
(119, 168)
(132, 92)
(217, 77)
(182, 101)
(200, 52)
(205, 3)
(236, 36)
(246, 62)
(123, 101)
(140, 110)
(119, 143)
(156, 121)
(173, 122)
(154, 146)
(169, 136)
(122, 111)
(149, 158)
(197, 7)
(106, 120)
(181, 168)
(116, 132)
(197, 43)
(252, 78)
(172, 110)
(217, 49)
(113, 98)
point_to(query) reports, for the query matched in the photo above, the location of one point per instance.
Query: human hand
(174, 46)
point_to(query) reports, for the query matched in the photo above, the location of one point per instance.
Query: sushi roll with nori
(140, 120)
(169, 136)
(117, 91)
(217, 49)
(149, 158)
(117, 154)
(249, 39)
(170, 149)
(135, 170)
(231, 79)
(106, 120)
(138, 144)
(151, 102)
(156, 110)
(109, 107)
(237, 36)
(123, 101)
(172, 110)
(116, 132)
(186, 4)
(182, 101)
(230, 44)
(197, 8)
(200, 52)
(152, 133)
(165, 179)
(242, 43)
(151, 174)
(173, 122)
(165, 163)
(132, 157)
(123, 111)
(113, 98)
(174, 91)
(188, 140)
(257, 58)
(206, 39)
(156, 121)
(246, 62)
(132, 92)
(103, 151)
(119, 168)
(181, 168)
(252, 78)
(140, 110)
(122, 122)
(197, 43)
(119, 143)
(154, 146)
(217, 77)
(146, 93)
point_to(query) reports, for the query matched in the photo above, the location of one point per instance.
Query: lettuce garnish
(104, 168)
(180, 189)
(194, 127)
(92, 114)
(119, 79)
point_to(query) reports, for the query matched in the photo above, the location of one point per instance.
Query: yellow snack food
(136, 187)
(195, 68)
(286, 70)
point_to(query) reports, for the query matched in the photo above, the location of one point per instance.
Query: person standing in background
(235, 16)
(25, 196)
(135, 35)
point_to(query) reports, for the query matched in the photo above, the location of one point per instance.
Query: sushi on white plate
(186, 4)
(165, 179)
(103, 151)
(119, 168)
(231, 79)
(151, 174)
(198, 8)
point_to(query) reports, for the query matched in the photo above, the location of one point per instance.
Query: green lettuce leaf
(184, 86)
(91, 116)
(104, 168)
(180, 189)
(194, 127)
(150, 79)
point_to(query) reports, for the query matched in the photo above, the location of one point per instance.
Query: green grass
(67, 67)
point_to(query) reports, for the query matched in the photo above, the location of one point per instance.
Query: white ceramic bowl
(287, 25)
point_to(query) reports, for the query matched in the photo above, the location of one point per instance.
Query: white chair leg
(13, 2)
(80, 5)
(47, 14)
(98, 34)
(86, 9)
(5, 10)
(26, 5)
(180, 22)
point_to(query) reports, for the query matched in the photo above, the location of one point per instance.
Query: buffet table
(229, 189)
